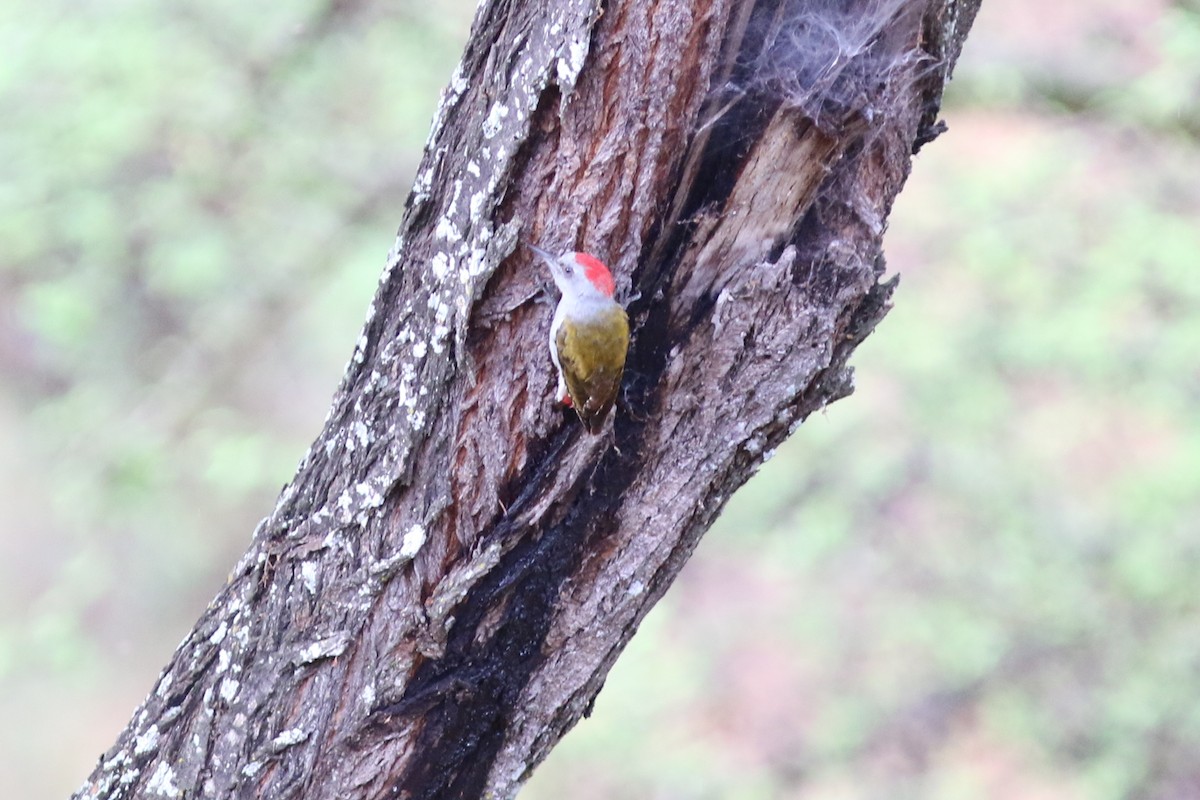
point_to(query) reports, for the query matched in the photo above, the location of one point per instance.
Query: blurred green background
(975, 578)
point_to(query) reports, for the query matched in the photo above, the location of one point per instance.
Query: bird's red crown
(597, 273)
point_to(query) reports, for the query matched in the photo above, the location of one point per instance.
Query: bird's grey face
(567, 273)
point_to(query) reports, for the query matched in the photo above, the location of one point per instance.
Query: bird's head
(578, 274)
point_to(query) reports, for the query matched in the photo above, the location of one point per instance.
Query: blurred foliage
(972, 579)
(195, 204)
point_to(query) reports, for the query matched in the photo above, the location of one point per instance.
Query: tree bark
(439, 592)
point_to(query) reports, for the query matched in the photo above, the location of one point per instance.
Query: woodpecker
(588, 337)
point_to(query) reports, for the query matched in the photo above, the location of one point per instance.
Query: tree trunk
(440, 591)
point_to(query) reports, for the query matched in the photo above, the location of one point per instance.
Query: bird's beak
(550, 259)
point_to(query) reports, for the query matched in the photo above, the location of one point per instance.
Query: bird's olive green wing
(592, 357)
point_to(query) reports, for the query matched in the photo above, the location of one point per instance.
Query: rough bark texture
(442, 588)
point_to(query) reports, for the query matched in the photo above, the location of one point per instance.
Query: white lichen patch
(414, 539)
(458, 84)
(440, 265)
(440, 334)
(441, 330)
(164, 685)
(567, 69)
(229, 689)
(343, 505)
(328, 647)
(376, 382)
(477, 262)
(368, 695)
(447, 229)
(422, 185)
(252, 769)
(495, 119)
(332, 540)
(392, 259)
(308, 574)
(360, 348)
(369, 497)
(218, 635)
(497, 176)
(362, 433)
(636, 588)
(289, 738)
(163, 781)
(420, 349)
(115, 762)
(146, 742)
